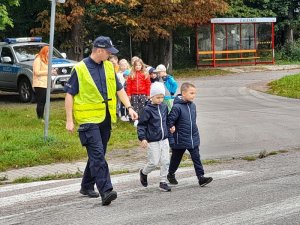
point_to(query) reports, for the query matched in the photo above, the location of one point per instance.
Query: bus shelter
(236, 41)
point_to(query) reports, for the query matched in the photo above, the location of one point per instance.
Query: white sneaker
(124, 118)
(135, 123)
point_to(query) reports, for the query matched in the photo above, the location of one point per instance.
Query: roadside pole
(47, 106)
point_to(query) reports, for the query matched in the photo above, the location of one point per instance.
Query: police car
(16, 60)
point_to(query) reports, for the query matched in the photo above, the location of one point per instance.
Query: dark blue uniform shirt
(97, 72)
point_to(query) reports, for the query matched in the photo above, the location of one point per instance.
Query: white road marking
(183, 182)
(38, 194)
(10, 200)
(115, 180)
(223, 174)
(14, 187)
(260, 214)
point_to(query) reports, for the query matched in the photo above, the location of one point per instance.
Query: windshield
(28, 52)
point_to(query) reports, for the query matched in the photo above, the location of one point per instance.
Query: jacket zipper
(191, 126)
(137, 82)
(161, 125)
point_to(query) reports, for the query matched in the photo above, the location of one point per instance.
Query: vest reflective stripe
(111, 89)
(89, 106)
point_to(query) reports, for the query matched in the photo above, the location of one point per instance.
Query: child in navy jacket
(153, 134)
(185, 133)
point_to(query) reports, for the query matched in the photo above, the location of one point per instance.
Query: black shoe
(143, 179)
(171, 178)
(108, 197)
(164, 186)
(204, 181)
(90, 193)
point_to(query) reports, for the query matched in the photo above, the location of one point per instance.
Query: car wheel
(25, 90)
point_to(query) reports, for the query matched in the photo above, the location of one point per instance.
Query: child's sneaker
(164, 186)
(143, 179)
(171, 178)
(204, 181)
(124, 118)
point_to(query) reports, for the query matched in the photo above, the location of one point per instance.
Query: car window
(28, 52)
(6, 52)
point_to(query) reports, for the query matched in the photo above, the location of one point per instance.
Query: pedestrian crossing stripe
(69, 188)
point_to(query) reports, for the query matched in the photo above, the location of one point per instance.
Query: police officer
(91, 99)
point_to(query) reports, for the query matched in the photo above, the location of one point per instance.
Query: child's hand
(144, 143)
(172, 129)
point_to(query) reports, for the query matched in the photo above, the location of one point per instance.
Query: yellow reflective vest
(89, 105)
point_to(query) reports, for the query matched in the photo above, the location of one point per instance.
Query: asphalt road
(236, 120)
(265, 191)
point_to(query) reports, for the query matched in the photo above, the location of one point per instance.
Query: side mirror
(64, 55)
(6, 59)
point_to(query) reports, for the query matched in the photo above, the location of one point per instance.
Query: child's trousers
(158, 153)
(177, 156)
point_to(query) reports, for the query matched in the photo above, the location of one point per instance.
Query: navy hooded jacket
(183, 116)
(152, 124)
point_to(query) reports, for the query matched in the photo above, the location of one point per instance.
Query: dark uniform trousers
(177, 156)
(95, 138)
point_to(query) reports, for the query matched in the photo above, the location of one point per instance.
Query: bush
(289, 51)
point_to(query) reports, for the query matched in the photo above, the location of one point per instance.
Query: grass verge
(189, 163)
(288, 86)
(194, 72)
(22, 141)
(286, 62)
(58, 176)
(263, 154)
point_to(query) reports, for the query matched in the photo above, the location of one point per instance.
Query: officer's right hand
(70, 126)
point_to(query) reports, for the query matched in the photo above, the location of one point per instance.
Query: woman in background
(40, 77)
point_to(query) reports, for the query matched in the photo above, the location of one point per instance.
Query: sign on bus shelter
(236, 41)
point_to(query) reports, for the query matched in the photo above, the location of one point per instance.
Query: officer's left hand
(133, 114)
(70, 126)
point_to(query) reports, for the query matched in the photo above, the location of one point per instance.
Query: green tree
(4, 16)
(156, 20)
(249, 8)
(149, 21)
(286, 12)
(288, 15)
(24, 17)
